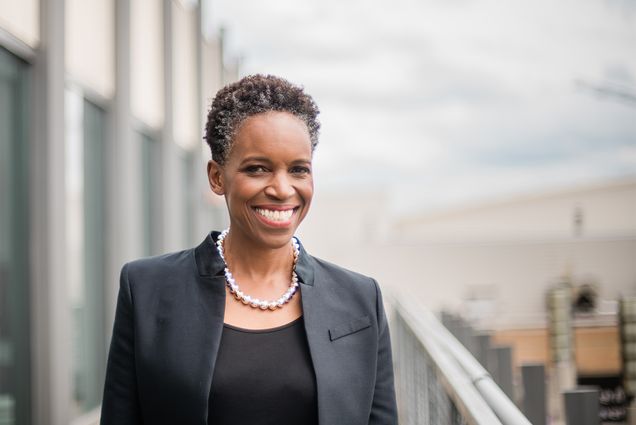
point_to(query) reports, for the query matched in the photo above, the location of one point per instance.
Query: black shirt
(263, 376)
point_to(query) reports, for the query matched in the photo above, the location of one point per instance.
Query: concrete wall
(495, 262)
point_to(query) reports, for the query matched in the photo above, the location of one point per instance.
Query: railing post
(468, 337)
(581, 406)
(534, 394)
(500, 368)
(482, 341)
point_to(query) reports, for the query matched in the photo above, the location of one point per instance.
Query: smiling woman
(248, 328)
(267, 180)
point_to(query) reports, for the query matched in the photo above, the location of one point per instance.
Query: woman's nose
(280, 187)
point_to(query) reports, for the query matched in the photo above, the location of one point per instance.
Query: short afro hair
(252, 95)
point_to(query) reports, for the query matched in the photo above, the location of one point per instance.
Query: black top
(263, 376)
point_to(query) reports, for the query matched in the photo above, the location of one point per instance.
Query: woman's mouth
(278, 217)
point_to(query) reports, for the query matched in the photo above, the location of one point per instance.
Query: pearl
(255, 302)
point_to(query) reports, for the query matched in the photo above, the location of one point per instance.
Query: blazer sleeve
(384, 407)
(120, 404)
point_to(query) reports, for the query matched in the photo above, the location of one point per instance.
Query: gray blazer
(168, 326)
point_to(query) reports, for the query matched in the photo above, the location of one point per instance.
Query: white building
(101, 161)
(496, 259)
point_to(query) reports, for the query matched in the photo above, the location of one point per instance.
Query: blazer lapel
(210, 304)
(314, 328)
(339, 368)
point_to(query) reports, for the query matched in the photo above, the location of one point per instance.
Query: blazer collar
(209, 262)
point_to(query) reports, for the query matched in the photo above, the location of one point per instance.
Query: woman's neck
(256, 262)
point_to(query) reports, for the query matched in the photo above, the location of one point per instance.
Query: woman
(248, 328)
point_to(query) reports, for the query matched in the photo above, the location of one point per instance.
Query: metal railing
(438, 381)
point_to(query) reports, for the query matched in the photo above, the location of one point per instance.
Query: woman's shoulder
(333, 269)
(328, 273)
(164, 265)
(341, 288)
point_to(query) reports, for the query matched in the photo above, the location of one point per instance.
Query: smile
(279, 216)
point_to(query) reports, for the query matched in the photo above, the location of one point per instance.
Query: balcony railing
(438, 381)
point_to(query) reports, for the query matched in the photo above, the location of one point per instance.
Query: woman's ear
(215, 177)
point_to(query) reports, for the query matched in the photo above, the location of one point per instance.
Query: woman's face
(267, 179)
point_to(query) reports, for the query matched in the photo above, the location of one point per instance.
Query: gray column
(170, 211)
(451, 323)
(500, 368)
(446, 318)
(197, 162)
(468, 335)
(51, 315)
(482, 344)
(463, 332)
(581, 406)
(122, 170)
(204, 218)
(534, 393)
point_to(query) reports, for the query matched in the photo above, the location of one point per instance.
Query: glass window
(14, 294)
(85, 182)
(150, 168)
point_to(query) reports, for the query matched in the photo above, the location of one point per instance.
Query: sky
(445, 102)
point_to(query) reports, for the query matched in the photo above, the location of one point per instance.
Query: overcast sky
(442, 102)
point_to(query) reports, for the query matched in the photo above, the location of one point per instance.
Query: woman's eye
(300, 170)
(255, 169)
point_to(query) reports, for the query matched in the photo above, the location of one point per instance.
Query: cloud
(451, 95)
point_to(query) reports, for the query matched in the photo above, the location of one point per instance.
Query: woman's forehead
(272, 121)
(272, 132)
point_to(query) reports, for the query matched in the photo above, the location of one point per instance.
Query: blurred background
(478, 158)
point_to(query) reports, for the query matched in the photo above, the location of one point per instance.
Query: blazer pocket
(349, 328)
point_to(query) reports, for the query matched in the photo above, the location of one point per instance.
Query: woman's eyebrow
(255, 159)
(301, 161)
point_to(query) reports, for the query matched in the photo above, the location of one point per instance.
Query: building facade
(102, 105)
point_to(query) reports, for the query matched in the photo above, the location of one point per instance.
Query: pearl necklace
(255, 302)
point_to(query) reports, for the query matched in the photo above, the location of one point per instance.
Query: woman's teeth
(275, 215)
